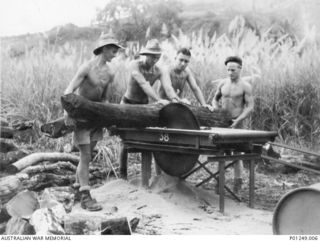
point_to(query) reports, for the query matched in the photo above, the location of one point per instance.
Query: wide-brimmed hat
(152, 48)
(106, 39)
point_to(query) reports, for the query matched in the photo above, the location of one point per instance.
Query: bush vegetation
(286, 84)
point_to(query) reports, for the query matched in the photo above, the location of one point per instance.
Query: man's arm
(73, 85)
(76, 80)
(248, 102)
(105, 94)
(195, 88)
(167, 85)
(146, 87)
(217, 96)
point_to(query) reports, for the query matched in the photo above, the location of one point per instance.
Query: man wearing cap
(91, 81)
(180, 74)
(235, 95)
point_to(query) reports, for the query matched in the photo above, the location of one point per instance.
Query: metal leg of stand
(221, 185)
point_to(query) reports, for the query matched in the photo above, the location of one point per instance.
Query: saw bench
(176, 152)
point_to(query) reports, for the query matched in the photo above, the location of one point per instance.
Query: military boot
(88, 203)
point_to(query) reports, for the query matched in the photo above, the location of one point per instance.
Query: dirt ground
(170, 207)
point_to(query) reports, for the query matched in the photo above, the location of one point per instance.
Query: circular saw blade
(177, 116)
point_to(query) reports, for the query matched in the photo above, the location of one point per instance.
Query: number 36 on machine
(304, 237)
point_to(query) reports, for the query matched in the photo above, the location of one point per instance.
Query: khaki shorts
(86, 136)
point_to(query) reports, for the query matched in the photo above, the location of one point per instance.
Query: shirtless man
(180, 74)
(235, 95)
(143, 75)
(91, 81)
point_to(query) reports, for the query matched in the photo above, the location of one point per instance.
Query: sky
(31, 16)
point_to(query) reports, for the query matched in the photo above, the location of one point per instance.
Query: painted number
(164, 137)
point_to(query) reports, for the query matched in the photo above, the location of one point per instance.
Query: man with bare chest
(180, 74)
(91, 81)
(143, 75)
(235, 95)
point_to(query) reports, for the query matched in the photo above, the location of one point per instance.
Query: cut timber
(9, 187)
(11, 157)
(125, 115)
(41, 181)
(64, 195)
(19, 226)
(56, 168)
(48, 221)
(23, 204)
(39, 157)
(84, 224)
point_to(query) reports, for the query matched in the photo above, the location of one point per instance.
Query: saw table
(176, 152)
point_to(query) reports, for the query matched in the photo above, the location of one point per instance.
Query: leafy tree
(130, 19)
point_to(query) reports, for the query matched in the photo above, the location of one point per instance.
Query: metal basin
(298, 212)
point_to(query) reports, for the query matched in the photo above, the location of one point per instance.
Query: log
(11, 157)
(9, 187)
(41, 181)
(23, 204)
(19, 226)
(125, 115)
(6, 147)
(84, 224)
(64, 195)
(39, 157)
(58, 168)
(48, 221)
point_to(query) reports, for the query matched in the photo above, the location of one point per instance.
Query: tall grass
(286, 93)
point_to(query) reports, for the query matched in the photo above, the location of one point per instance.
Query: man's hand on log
(185, 101)
(163, 102)
(211, 108)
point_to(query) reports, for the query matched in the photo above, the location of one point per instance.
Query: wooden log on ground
(19, 226)
(9, 187)
(6, 147)
(41, 181)
(39, 157)
(11, 157)
(48, 221)
(58, 168)
(125, 115)
(84, 224)
(64, 195)
(23, 204)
